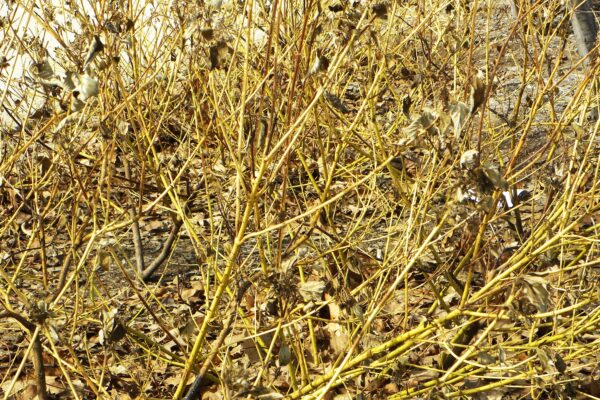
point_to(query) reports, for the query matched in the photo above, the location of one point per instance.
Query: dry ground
(365, 200)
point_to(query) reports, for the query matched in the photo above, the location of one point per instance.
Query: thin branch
(166, 250)
(30, 326)
(36, 349)
(38, 366)
(194, 391)
(135, 227)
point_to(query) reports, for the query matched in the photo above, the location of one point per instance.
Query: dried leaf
(103, 260)
(86, 87)
(320, 64)
(494, 175)
(95, 48)
(469, 159)
(536, 290)
(285, 355)
(423, 123)
(478, 88)
(485, 358)
(119, 369)
(42, 70)
(312, 290)
(547, 363)
(195, 293)
(339, 339)
(459, 113)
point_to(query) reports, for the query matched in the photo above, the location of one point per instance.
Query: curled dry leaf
(321, 64)
(285, 355)
(546, 361)
(42, 70)
(86, 87)
(469, 159)
(194, 293)
(119, 369)
(492, 173)
(478, 87)
(312, 290)
(536, 290)
(459, 113)
(424, 123)
(485, 358)
(103, 260)
(95, 48)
